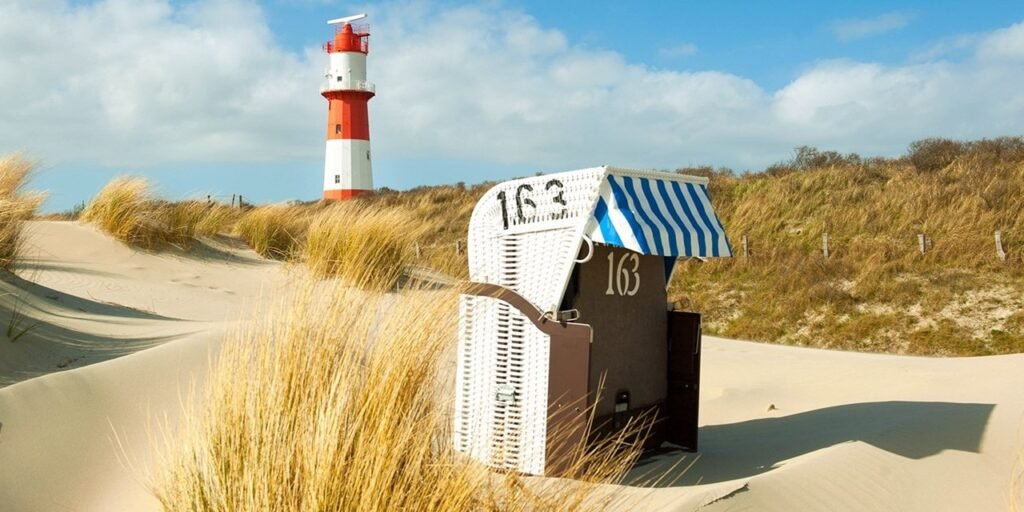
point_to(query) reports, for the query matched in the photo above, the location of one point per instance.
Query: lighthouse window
(337, 128)
(339, 78)
(337, 179)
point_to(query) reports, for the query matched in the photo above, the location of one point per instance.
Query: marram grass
(274, 231)
(16, 206)
(876, 291)
(346, 240)
(341, 399)
(126, 209)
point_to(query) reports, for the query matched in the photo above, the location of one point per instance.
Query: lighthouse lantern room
(347, 163)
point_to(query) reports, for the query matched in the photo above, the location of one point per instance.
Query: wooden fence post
(746, 247)
(999, 246)
(232, 200)
(824, 244)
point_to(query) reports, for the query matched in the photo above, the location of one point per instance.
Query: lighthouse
(347, 162)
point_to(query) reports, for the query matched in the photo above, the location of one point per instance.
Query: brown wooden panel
(567, 401)
(629, 328)
(682, 404)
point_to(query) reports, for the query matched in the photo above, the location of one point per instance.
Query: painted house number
(624, 277)
(553, 187)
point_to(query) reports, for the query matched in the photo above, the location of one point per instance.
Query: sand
(116, 339)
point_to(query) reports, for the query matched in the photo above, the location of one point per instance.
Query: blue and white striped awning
(662, 217)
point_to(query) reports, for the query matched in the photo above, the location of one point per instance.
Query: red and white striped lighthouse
(347, 170)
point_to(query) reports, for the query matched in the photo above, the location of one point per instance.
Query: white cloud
(1007, 43)
(133, 83)
(946, 47)
(860, 28)
(125, 82)
(679, 50)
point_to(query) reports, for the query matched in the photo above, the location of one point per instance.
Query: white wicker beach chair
(526, 236)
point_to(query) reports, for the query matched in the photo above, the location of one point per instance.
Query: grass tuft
(339, 399)
(126, 209)
(16, 206)
(274, 231)
(345, 240)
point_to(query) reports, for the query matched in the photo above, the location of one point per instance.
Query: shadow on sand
(28, 310)
(739, 450)
(24, 288)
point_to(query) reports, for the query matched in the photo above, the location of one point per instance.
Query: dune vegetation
(127, 210)
(876, 291)
(443, 213)
(16, 206)
(389, 232)
(345, 239)
(309, 408)
(274, 231)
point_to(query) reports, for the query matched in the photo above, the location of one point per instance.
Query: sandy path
(210, 283)
(82, 297)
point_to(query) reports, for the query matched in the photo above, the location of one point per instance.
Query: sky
(221, 97)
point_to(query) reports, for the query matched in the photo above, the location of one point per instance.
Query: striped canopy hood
(526, 234)
(661, 215)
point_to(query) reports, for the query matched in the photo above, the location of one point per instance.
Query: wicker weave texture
(501, 386)
(524, 234)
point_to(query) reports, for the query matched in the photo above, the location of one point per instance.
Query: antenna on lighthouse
(346, 19)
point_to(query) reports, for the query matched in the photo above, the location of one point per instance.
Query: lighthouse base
(343, 194)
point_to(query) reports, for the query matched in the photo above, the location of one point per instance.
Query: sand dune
(117, 337)
(807, 429)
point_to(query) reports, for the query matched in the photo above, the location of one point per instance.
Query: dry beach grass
(16, 206)
(338, 400)
(274, 231)
(875, 291)
(348, 239)
(127, 210)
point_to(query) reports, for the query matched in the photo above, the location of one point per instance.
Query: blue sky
(220, 96)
